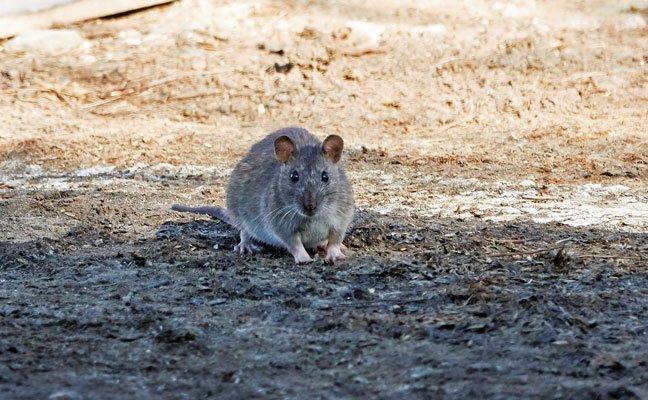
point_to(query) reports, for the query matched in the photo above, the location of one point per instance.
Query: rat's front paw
(334, 253)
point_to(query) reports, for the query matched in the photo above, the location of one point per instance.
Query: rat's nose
(310, 204)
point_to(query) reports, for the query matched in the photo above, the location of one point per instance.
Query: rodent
(291, 192)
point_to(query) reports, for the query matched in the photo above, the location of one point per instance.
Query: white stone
(130, 37)
(94, 171)
(617, 189)
(632, 21)
(365, 33)
(49, 41)
(87, 59)
(578, 23)
(519, 9)
(387, 179)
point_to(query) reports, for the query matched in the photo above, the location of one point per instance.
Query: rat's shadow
(209, 231)
(214, 234)
(220, 236)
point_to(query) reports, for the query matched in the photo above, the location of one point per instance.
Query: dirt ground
(498, 155)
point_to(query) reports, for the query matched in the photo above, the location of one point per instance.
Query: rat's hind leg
(247, 244)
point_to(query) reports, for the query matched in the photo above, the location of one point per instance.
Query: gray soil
(422, 308)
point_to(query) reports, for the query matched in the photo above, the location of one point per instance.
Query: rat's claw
(303, 258)
(247, 245)
(300, 254)
(247, 248)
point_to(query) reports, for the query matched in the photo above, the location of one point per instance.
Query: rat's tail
(212, 211)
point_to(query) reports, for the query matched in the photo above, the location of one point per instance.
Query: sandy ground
(481, 138)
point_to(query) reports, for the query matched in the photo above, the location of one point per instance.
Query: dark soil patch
(423, 308)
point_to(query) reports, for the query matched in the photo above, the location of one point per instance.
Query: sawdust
(496, 88)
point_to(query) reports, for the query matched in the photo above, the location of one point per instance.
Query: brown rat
(290, 192)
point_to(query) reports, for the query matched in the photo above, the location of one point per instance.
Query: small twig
(57, 94)
(511, 241)
(581, 75)
(363, 51)
(43, 89)
(146, 86)
(608, 256)
(448, 60)
(196, 95)
(102, 102)
(382, 302)
(132, 338)
(540, 198)
(453, 125)
(525, 253)
(103, 285)
(530, 252)
(152, 286)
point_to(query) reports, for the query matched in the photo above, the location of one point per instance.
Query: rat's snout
(309, 203)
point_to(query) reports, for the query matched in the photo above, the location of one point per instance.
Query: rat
(290, 192)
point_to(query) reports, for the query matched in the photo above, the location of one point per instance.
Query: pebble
(130, 37)
(365, 33)
(387, 179)
(516, 8)
(283, 98)
(65, 395)
(422, 372)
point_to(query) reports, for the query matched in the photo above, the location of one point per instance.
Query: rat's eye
(294, 176)
(324, 177)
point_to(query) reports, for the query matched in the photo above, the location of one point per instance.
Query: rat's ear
(332, 147)
(285, 149)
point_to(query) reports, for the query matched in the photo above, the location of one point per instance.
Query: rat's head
(310, 175)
